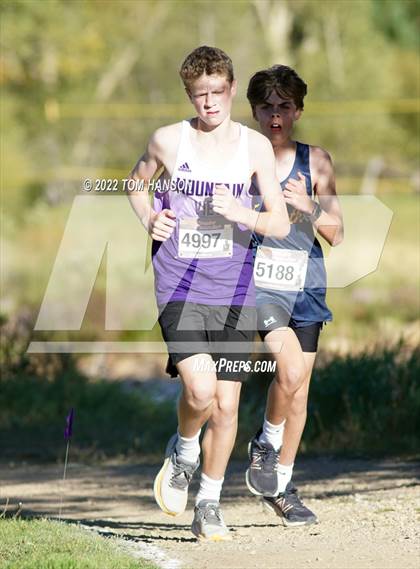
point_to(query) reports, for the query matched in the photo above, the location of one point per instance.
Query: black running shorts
(272, 316)
(225, 332)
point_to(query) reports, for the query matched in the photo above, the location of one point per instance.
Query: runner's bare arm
(330, 223)
(275, 221)
(325, 216)
(159, 225)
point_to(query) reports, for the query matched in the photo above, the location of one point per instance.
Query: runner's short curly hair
(209, 60)
(279, 78)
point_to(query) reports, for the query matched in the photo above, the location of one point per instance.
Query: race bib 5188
(280, 269)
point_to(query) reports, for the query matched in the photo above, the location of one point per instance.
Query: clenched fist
(225, 204)
(162, 224)
(295, 194)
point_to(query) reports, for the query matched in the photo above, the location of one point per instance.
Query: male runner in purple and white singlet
(201, 223)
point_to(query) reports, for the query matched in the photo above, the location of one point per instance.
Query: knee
(225, 412)
(199, 397)
(291, 379)
(300, 402)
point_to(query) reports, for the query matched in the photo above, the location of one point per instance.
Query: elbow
(283, 230)
(337, 238)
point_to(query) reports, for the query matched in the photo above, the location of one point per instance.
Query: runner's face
(276, 117)
(212, 97)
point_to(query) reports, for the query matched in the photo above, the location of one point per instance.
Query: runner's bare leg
(221, 430)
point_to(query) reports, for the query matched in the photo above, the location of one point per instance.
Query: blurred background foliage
(364, 404)
(85, 83)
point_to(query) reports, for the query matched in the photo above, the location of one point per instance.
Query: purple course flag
(68, 431)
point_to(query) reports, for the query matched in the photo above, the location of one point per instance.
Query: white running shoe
(171, 484)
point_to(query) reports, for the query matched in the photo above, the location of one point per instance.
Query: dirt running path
(369, 513)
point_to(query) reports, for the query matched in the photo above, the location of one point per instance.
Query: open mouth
(275, 126)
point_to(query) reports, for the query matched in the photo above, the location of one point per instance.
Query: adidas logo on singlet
(184, 167)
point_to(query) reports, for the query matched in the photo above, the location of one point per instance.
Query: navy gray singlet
(308, 305)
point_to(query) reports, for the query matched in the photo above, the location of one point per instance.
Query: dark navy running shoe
(290, 508)
(261, 476)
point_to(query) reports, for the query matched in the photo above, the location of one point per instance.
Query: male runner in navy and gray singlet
(201, 224)
(291, 287)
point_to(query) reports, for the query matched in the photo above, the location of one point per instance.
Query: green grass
(360, 403)
(366, 403)
(43, 544)
(108, 421)
(386, 302)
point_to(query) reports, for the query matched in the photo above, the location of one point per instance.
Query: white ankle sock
(209, 489)
(188, 449)
(272, 434)
(284, 475)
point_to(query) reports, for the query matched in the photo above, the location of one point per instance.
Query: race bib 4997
(204, 242)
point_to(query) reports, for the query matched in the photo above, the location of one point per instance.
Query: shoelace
(289, 500)
(177, 480)
(263, 456)
(281, 502)
(212, 514)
